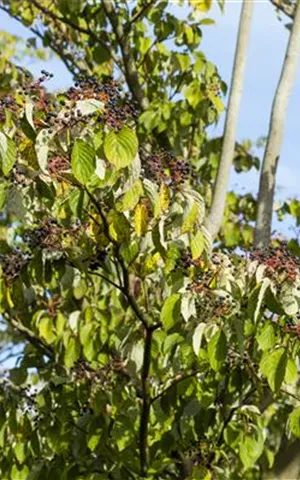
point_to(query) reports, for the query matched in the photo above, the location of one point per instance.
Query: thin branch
(98, 274)
(146, 404)
(173, 384)
(131, 73)
(140, 13)
(78, 28)
(288, 10)
(30, 336)
(69, 64)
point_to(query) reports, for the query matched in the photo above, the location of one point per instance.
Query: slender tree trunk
(276, 130)
(214, 219)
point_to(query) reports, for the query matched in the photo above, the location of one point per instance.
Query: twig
(131, 73)
(173, 384)
(30, 336)
(140, 12)
(78, 28)
(288, 10)
(98, 274)
(144, 422)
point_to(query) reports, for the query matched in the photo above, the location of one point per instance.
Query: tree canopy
(148, 348)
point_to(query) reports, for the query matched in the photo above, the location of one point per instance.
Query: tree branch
(276, 130)
(214, 220)
(173, 384)
(140, 13)
(288, 10)
(146, 404)
(29, 336)
(78, 28)
(131, 72)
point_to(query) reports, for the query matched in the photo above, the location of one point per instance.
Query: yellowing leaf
(164, 197)
(131, 197)
(197, 245)
(201, 5)
(119, 227)
(190, 219)
(141, 219)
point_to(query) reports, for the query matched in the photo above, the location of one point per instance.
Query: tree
(271, 157)
(215, 218)
(145, 355)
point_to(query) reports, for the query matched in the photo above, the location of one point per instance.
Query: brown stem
(130, 67)
(146, 404)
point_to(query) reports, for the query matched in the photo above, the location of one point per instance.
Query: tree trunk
(214, 219)
(276, 130)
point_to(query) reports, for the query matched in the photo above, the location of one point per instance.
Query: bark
(214, 219)
(275, 136)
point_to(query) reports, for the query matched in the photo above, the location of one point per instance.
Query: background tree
(275, 136)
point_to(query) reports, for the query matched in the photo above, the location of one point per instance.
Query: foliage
(157, 53)
(145, 355)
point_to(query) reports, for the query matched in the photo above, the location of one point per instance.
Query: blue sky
(268, 43)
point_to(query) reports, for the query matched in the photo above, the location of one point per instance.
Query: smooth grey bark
(214, 219)
(276, 130)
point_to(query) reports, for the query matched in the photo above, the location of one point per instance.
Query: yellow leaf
(201, 5)
(141, 219)
(164, 197)
(190, 219)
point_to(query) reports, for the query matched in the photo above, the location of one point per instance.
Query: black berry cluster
(185, 261)
(7, 103)
(49, 234)
(12, 264)
(98, 259)
(279, 262)
(164, 167)
(58, 165)
(18, 177)
(117, 110)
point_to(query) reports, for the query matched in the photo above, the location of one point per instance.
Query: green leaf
(119, 226)
(250, 449)
(86, 107)
(20, 452)
(93, 442)
(7, 153)
(170, 312)
(217, 349)
(291, 373)
(46, 329)
(29, 113)
(266, 339)
(19, 473)
(131, 198)
(121, 148)
(193, 93)
(197, 245)
(294, 422)
(256, 299)
(83, 161)
(3, 194)
(197, 337)
(72, 352)
(42, 148)
(273, 366)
